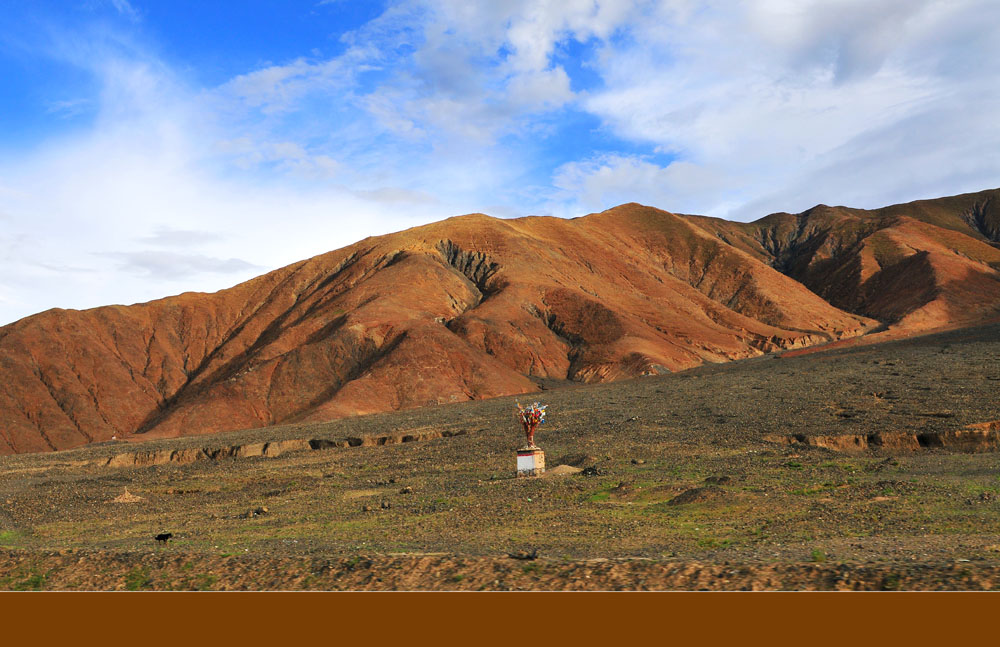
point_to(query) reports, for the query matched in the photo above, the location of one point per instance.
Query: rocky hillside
(475, 307)
(916, 266)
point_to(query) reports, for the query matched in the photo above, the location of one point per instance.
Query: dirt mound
(562, 470)
(577, 460)
(698, 495)
(127, 497)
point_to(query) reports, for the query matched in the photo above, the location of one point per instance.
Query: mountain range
(476, 307)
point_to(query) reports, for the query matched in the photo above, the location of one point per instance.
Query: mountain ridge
(474, 307)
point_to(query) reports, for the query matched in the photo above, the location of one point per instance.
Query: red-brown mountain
(918, 266)
(475, 307)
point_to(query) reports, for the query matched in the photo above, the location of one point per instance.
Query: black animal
(164, 536)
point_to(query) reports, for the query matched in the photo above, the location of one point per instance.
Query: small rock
(256, 512)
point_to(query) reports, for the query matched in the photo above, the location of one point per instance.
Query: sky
(149, 148)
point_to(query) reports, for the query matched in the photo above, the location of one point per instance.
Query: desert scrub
(138, 579)
(814, 490)
(9, 538)
(34, 582)
(712, 542)
(891, 582)
(22, 579)
(204, 582)
(603, 493)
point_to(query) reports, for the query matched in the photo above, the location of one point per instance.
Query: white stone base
(530, 461)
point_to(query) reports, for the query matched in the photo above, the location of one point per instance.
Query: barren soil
(703, 479)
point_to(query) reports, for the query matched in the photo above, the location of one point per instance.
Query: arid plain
(690, 481)
(807, 401)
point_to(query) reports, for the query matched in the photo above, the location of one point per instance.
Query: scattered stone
(256, 512)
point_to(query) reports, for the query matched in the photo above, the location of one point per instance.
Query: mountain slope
(918, 266)
(470, 307)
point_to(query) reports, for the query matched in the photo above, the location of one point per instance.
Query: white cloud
(484, 70)
(170, 237)
(778, 94)
(152, 171)
(606, 180)
(162, 265)
(125, 8)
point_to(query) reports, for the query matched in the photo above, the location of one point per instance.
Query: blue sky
(149, 148)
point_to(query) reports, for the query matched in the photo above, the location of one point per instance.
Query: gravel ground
(682, 488)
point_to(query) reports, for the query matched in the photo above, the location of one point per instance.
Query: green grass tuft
(138, 579)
